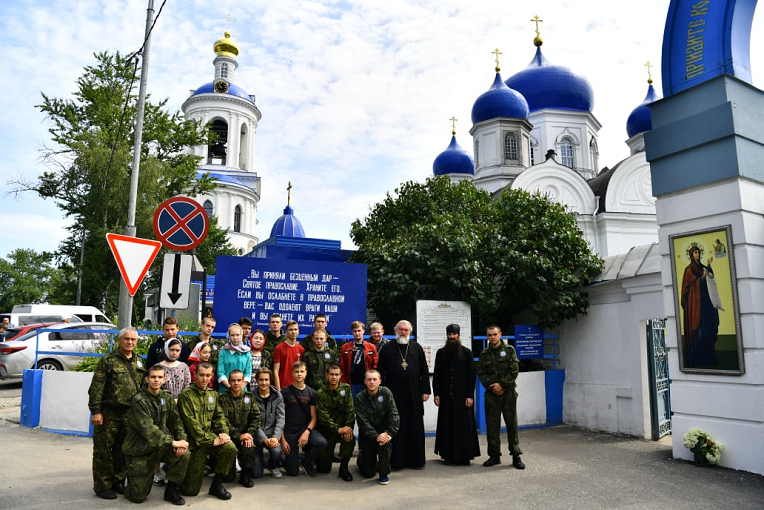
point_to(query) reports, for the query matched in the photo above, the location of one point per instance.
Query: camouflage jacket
(115, 380)
(376, 413)
(202, 417)
(271, 341)
(307, 342)
(498, 365)
(242, 413)
(148, 421)
(334, 408)
(317, 363)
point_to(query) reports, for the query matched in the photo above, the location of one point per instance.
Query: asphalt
(567, 468)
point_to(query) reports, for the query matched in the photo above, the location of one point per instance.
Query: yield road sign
(176, 281)
(181, 224)
(134, 257)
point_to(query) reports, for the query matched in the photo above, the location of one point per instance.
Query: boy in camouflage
(336, 417)
(152, 414)
(243, 415)
(317, 358)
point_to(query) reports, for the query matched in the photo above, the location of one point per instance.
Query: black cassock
(408, 385)
(453, 382)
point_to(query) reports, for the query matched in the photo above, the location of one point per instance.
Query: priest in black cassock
(453, 385)
(404, 370)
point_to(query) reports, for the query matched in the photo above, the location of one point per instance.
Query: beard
(454, 347)
(402, 339)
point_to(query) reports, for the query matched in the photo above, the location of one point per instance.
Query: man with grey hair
(403, 366)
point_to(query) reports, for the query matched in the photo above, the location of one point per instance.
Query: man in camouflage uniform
(497, 369)
(319, 324)
(336, 417)
(275, 335)
(116, 379)
(243, 415)
(317, 357)
(152, 414)
(207, 431)
(378, 421)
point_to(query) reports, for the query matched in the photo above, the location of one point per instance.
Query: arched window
(566, 152)
(237, 219)
(218, 147)
(510, 147)
(477, 154)
(208, 208)
(594, 154)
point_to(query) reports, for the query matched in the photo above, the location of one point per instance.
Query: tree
(504, 256)
(26, 277)
(90, 166)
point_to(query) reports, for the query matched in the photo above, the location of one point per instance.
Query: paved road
(568, 468)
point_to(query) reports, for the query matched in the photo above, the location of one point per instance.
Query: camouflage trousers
(246, 458)
(495, 407)
(109, 466)
(226, 456)
(373, 458)
(140, 471)
(324, 461)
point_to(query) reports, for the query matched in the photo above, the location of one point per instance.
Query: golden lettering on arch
(695, 40)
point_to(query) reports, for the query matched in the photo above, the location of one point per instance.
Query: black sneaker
(107, 494)
(492, 461)
(309, 468)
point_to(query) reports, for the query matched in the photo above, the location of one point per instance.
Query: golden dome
(226, 47)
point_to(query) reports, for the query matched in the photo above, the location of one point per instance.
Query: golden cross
(228, 19)
(649, 74)
(289, 193)
(453, 125)
(537, 20)
(496, 52)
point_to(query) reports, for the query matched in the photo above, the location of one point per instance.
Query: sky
(356, 97)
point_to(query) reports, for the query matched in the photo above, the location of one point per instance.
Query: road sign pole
(125, 299)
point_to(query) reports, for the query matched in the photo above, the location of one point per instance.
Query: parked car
(18, 354)
(13, 333)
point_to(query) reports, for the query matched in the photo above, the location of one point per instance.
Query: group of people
(200, 406)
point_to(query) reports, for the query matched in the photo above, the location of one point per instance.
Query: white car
(19, 353)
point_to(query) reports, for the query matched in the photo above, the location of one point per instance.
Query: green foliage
(90, 173)
(26, 277)
(88, 364)
(503, 256)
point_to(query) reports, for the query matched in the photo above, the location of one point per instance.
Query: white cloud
(355, 97)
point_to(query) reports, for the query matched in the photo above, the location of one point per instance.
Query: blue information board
(295, 289)
(529, 341)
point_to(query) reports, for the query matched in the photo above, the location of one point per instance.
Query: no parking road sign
(181, 224)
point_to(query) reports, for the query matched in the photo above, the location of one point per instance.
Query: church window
(208, 208)
(218, 147)
(237, 219)
(224, 71)
(594, 154)
(566, 152)
(510, 147)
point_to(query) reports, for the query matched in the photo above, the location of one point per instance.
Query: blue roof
(233, 89)
(288, 225)
(550, 86)
(499, 101)
(453, 160)
(639, 120)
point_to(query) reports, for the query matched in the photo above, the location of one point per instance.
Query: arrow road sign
(176, 281)
(134, 257)
(181, 223)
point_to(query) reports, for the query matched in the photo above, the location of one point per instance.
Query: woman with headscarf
(234, 355)
(700, 323)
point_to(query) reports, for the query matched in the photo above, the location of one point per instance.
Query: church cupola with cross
(454, 162)
(229, 157)
(500, 133)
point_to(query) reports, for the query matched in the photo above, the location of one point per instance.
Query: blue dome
(453, 160)
(233, 89)
(288, 225)
(640, 121)
(499, 101)
(549, 86)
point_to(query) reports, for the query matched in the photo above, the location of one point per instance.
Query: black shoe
(245, 480)
(345, 472)
(172, 494)
(492, 461)
(118, 487)
(309, 468)
(517, 462)
(217, 489)
(107, 494)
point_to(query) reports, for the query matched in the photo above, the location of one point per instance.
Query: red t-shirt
(286, 356)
